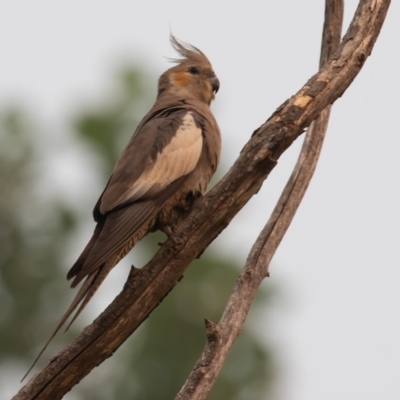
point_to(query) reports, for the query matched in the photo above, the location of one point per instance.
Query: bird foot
(168, 230)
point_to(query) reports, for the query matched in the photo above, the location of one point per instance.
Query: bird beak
(214, 82)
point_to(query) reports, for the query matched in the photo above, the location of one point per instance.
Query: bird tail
(93, 279)
(132, 223)
(84, 295)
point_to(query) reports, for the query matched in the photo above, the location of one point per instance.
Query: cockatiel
(167, 163)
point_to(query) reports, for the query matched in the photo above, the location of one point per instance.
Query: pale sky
(338, 267)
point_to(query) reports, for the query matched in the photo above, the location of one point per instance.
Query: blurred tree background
(38, 229)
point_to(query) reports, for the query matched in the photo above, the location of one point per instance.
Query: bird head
(192, 77)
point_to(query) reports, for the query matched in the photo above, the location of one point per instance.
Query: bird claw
(168, 230)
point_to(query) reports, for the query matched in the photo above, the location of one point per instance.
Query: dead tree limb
(145, 288)
(221, 336)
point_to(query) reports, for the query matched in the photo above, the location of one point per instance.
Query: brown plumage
(167, 163)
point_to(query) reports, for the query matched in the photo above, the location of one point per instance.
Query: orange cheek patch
(180, 78)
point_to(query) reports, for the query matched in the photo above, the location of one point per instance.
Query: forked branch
(221, 336)
(145, 288)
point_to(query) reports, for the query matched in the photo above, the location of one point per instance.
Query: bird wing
(165, 148)
(163, 151)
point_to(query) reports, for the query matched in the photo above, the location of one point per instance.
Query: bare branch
(146, 288)
(207, 368)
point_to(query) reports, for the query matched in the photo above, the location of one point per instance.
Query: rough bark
(221, 336)
(145, 288)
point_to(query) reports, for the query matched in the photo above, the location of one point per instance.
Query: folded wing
(151, 169)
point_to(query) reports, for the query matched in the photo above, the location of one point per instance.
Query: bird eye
(194, 70)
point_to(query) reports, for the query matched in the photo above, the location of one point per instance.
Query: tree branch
(221, 336)
(145, 288)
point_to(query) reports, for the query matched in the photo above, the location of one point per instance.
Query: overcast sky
(338, 267)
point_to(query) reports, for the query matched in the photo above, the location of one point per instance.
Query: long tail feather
(94, 285)
(85, 293)
(144, 213)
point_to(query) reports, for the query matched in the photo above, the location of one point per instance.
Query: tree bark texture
(145, 288)
(221, 336)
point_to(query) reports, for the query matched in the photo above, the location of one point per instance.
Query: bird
(165, 167)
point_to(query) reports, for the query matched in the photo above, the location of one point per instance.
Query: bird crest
(188, 52)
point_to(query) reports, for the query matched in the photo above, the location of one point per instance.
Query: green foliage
(32, 237)
(156, 360)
